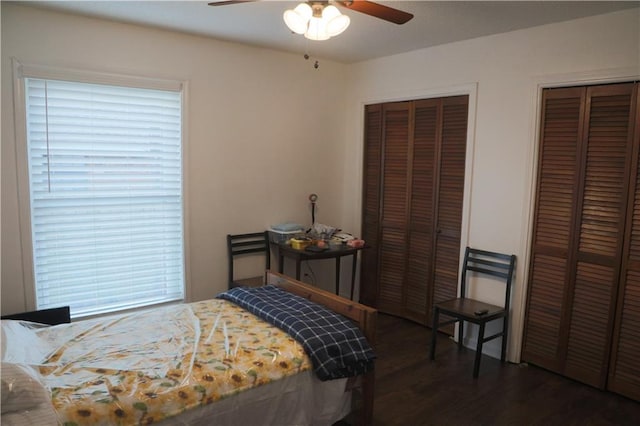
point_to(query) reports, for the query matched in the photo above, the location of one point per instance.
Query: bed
(209, 362)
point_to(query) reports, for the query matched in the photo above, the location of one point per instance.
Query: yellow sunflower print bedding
(145, 367)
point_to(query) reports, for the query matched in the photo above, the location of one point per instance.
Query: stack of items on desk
(320, 237)
(334, 238)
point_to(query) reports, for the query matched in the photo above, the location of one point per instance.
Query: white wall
(506, 70)
(263, 129)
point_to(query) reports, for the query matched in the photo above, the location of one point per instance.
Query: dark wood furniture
(363, 316)
(285, 250)
(256, 243)
(461, 309)
(583, 302)
(53, 316)
(413, 186)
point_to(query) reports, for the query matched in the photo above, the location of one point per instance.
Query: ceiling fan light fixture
(316, 23)
(336, 22)
(329, 12)
(317, 29)
(298, 19)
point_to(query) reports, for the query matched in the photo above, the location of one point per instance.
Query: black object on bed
(335, 345)
(53, 316)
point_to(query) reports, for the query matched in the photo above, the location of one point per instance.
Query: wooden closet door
(412, 204)
(435, 204)
(554, 221)
(372, 177)
(451, 158)
(394, 203)
(421, 229)
(600, 235)
(624, 367)
(584, 173)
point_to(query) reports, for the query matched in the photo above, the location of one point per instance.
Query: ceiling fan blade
(225, 3)
(378, 10)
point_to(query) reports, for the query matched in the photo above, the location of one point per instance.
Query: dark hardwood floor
(412, 390)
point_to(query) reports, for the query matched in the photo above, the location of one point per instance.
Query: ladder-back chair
(496, 265)
(256, 243)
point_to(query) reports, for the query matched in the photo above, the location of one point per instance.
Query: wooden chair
(256, 243)
(463, 309)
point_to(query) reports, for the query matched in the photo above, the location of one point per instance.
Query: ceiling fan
(370, 8)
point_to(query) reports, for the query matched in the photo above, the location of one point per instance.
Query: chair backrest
(247, 244)
(489, 263)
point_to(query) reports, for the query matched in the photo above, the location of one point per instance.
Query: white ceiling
(260, 23)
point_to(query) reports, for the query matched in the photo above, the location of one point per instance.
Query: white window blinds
(105, 169)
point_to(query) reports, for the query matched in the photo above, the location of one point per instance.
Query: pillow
(21, 390)
(21, 344)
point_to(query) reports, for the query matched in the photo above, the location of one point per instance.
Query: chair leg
(434, 333)
(476, 364)
(505, 333)
(460, 333)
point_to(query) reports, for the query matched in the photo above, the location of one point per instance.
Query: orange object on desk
(355, 243)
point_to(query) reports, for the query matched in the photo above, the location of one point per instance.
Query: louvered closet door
(393, 249)
(450, 190)
(412, 203)
(427, 118)
(624, 368)
(584, 173)
(607, 164)
(371, 202)
(556, 195)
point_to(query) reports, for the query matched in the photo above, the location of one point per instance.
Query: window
(106, 194)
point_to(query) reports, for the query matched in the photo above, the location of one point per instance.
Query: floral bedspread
(144, 367)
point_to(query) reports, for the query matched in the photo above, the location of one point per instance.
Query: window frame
(20, 73)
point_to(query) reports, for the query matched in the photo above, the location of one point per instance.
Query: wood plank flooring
(412, 390)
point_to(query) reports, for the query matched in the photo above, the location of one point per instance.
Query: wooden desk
(285, 250)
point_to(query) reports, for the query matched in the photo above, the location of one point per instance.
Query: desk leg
(353, 273)
(298, 269)
(280, 262)
(338, 275)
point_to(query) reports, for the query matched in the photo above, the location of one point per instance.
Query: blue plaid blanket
(335, 345)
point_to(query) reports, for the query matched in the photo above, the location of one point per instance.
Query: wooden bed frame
(363, 316)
